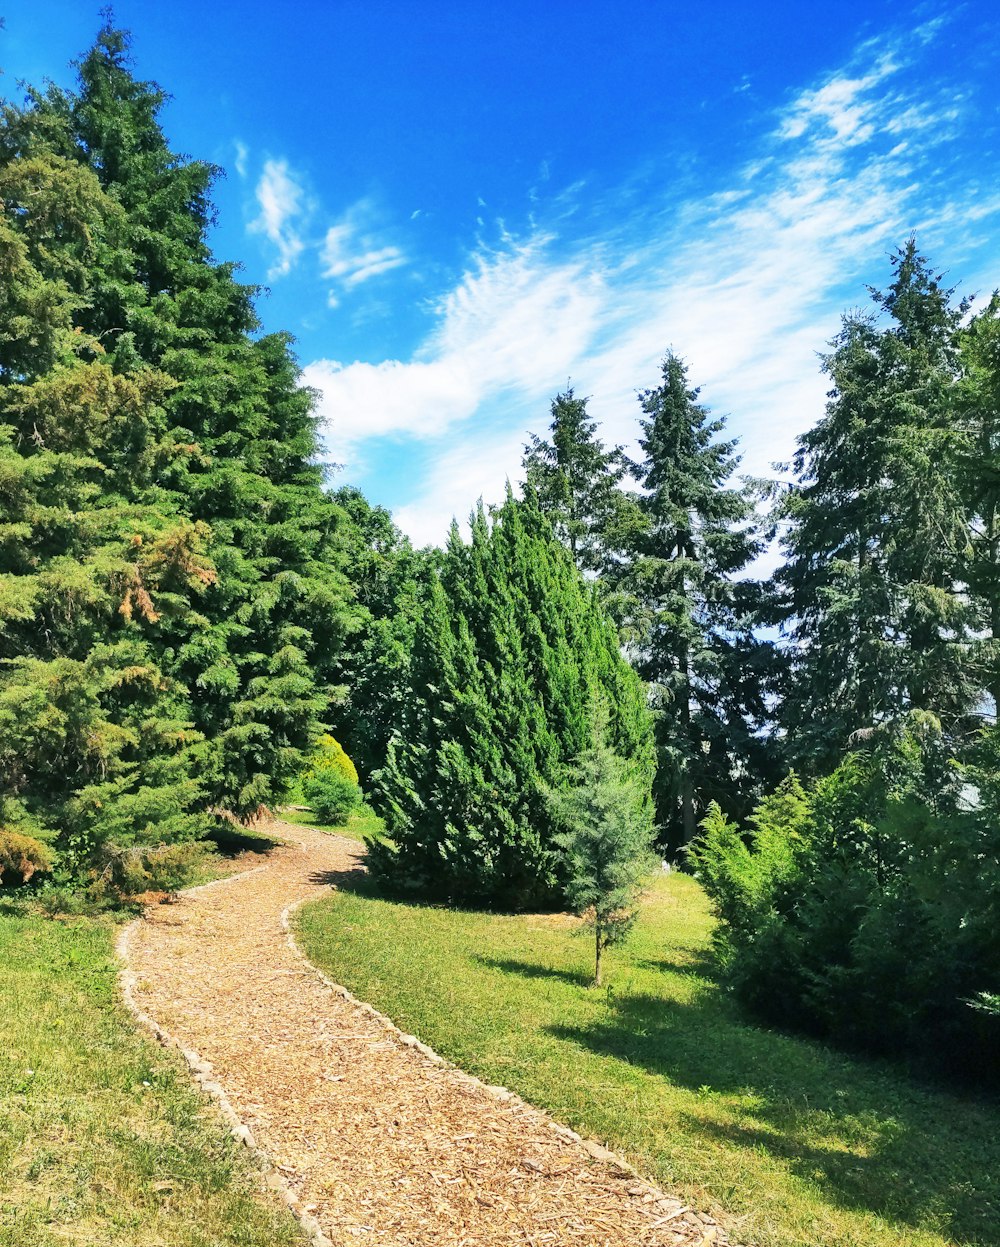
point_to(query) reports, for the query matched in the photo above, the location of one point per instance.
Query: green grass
(103, 1140)
(363, 822)
(797, 1144)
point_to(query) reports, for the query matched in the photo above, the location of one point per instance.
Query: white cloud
(282, 203)
(746, 282)
(242, 155)
(509, 326)
(351, 254)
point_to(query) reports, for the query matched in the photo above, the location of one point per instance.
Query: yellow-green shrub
(22, 855)
(329, 756)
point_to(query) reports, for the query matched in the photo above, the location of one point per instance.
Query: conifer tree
(608, 845)
(171, 605)
(978, 465)
(511, 654)
(693, 616)
(876, 529)
(578, 485)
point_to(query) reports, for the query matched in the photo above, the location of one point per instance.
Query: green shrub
(332, 796)
(867, 909)
(148, 868)
(329, 756)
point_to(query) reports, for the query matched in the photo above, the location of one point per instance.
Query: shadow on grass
(920, 1157)
(354, 880)
(701, 966)
(530, 970)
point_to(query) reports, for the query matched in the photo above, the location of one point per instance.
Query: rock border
(714, 1234)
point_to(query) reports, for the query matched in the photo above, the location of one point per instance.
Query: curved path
(377, 1139)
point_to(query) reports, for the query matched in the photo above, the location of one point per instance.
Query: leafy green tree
(607, 844)
(695, 612)
(511, 649)
(876, 529)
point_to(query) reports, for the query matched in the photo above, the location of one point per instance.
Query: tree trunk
(687, 808)
(597, 954)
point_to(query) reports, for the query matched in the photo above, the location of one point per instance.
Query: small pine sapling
(607, 845)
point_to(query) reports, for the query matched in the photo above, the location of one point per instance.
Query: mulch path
(378, 1140)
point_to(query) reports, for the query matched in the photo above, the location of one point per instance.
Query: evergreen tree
(382, 567)
(979, 486)
(608, 845)
(171, 605)
(577, 482)
(510, 655)
(876, 529)
(694, 618)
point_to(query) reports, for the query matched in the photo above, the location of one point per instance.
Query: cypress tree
(511, 656)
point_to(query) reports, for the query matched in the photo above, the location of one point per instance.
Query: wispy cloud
(282, 200)
(746, 281)
(352, 253)
(506, 328)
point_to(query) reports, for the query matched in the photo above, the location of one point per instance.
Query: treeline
(186, 608)
(826, 747)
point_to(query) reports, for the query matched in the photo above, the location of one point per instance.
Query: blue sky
(458, 208)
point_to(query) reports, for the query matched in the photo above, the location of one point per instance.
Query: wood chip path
(375, 1139)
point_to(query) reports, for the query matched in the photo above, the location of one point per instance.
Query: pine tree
(511, 650)
(876, 529)
(694, 617)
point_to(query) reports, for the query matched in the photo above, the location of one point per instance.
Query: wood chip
(377, 1137)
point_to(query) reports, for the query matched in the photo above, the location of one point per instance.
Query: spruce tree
(577, 482)
(511, 654)
(978, 464)
(876, 529)
(695, 612)
(607, 843)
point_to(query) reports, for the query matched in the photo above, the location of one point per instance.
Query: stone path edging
(201, 1072)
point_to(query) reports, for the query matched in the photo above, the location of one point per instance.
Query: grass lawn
(103, 1140)
(360, 824)
(795, 1143)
